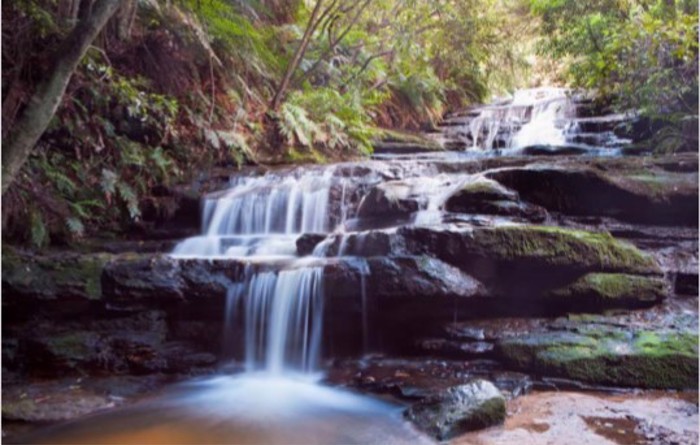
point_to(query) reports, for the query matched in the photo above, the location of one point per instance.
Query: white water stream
(541, 116)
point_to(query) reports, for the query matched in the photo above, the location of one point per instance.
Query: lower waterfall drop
(282, 316)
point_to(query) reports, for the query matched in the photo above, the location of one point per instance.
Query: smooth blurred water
(254, 408)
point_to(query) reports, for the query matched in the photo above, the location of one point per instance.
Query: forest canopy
(168, 88)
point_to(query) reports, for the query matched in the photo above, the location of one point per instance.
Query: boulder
(397, 281)
(418, 278)
(159, 279)
(395, 201)
(307, 242)
(457, 410)
(132, 277)
(488, 197)
(389, 199)
(473, 193)
(644, 195)
(366, 244)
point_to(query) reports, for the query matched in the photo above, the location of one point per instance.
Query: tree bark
(296, 59)
(45, 101)
(125, 17)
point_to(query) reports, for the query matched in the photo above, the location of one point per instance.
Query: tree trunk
(125, 17)
(298, 54)
(45, 101)
(333, 42)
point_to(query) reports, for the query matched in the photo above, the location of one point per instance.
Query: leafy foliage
(644, 53)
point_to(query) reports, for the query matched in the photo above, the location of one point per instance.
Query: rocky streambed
(446, 280)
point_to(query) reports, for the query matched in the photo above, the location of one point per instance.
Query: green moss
(555, 246)
(654, 345)
(611, 287)
(403, 137)
(304, 156)
(491, 412)
(487, 187)
(641, 359)
(55, 277)
(68, 351)
(18, 409)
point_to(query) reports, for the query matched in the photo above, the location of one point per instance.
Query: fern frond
(75, 227)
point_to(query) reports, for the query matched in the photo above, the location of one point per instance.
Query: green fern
(237, 145)
(108, 181)
(130, 198)
(163, 164)
(75, 227)
(38, 233)
(294, 123)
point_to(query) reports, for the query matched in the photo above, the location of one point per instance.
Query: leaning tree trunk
(45, 101)
(296, 59)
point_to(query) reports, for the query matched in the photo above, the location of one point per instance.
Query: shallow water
(254, 408)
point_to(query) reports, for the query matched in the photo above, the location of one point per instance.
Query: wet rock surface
(649, 418)
(643, 194)
(459, 409)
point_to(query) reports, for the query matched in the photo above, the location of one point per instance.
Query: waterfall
(552, 114)
(282, 319)
(535, 116)
(280, 310)
(261, 216)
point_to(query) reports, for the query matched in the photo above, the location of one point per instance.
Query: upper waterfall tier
(262, 215)
(531, 118)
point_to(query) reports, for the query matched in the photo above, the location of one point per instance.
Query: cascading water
(545, 116)
(261, 217)
(536, 116)
(280, 308)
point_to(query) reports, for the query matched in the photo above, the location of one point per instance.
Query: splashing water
(541, 116)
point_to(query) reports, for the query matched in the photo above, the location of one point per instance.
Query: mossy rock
(614, 289)
(644, 359)
(555, 246)
(460, 409)
(535, 259)
(57, 353)
(475, 193)
(53, 277)
(401, 142)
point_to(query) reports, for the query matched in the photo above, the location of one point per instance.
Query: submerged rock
(554, 150)
(472, 406)
(307, 242)
(389, 199)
